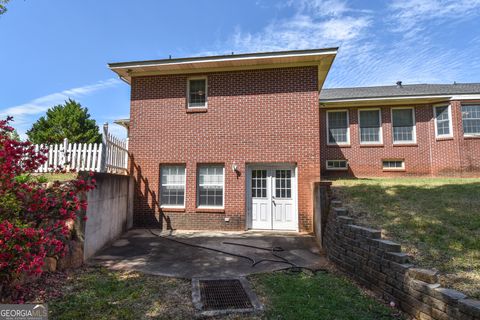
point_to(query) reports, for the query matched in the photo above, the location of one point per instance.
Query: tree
(3, 6)
(70, 121)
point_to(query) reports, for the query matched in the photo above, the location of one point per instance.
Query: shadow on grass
(436, 220)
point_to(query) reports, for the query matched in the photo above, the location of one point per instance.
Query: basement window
(337, 165)
(393, 165)
(197, 92)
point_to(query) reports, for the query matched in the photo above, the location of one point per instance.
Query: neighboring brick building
(228, 142)
(437, 130)
(237, 142)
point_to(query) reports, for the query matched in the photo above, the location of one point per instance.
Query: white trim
(393, 169)
(347, 143)
(198, 187)
(234, 58)
(380, 134)
(206, 92)
(168, 206)
(387, 98)
(329, 168)
(450, 125)
(270, 167)
(414, 133)
(466, 97)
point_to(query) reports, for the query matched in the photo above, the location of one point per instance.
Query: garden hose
(273, 250)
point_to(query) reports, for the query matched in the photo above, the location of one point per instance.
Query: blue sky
(51, 50)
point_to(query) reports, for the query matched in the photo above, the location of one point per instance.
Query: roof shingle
(399, 91)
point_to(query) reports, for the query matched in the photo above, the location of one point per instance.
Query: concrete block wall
(381, 266)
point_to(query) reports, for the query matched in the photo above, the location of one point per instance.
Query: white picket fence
(109, 156)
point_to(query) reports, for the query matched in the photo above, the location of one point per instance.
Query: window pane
(403, 125)
(370, 126)
(210, 186)
(443, 121)
(337, 164)
(172, 185)
(259, 183)
(402, 117)
(370, 119)
(198, 92)
(283, 184)
(393, 164)
(337, 127)
(471, 119)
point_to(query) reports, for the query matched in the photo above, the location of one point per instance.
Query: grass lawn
(59, 176)
(437, 221)
(97, 293)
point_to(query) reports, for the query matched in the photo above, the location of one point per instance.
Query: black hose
(293, 267)
(205, 248)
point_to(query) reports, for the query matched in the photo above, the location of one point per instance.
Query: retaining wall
(379, 265)
(109, 212)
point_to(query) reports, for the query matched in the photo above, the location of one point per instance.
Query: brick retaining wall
(379, 265)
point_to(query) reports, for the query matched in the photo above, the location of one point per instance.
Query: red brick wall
(268, 116)
(457, 156)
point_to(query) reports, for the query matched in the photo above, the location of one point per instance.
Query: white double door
(272, 198)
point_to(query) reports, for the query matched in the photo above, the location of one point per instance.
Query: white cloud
(314, 24)
(22, 112)
(42, 104)
(376, 47)
(410, 16)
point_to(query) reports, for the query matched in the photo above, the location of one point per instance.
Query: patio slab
(142, 250)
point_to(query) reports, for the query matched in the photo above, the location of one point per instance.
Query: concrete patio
(142, 250)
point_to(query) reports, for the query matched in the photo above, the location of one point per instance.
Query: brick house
(237, 142)
(425, 129)
(226, 142)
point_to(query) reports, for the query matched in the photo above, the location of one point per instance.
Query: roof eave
(323, 58)
(378, 101)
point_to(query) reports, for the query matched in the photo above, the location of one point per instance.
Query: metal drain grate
(223, 294)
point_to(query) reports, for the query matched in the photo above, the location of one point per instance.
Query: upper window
(338, 127)
(197, 92)
(210, 186)
(370, 126)
(172, 186)
(471, 120)
(403, 121)
(443, 121)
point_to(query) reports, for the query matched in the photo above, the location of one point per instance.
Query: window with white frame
(471, 120)
(403, 122)
(394, 164)
(337, 165)
(210, 186)
(443, 121)
(370, 126)
(172, 186)
(197, 92)
(338, 127)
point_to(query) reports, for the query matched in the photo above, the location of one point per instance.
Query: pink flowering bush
(34, 216)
